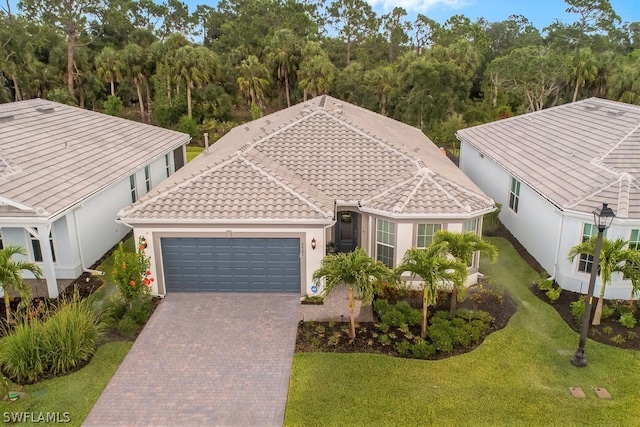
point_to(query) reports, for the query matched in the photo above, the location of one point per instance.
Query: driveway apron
(206, 359)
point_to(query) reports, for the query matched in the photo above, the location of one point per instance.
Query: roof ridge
(591, 194)
(466, 208)
(624, 194)
(424, 172)
(377, 140)
(464, 189)
(616, 145)
(389, 190)
(286, 187)
(144, 200)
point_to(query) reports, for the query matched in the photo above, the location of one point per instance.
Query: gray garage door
(231, 265)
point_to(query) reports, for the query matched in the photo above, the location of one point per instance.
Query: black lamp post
(602, 218)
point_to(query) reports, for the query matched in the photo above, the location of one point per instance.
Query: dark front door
(347, 231)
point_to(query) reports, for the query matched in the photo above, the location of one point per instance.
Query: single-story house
(259, 209)
(551, 169)
(65, 172)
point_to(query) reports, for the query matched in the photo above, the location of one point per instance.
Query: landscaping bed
(610, 331)
(404, 341)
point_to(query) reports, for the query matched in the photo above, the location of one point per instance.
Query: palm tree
(284, 57)
(383, 80)
(317, 72)
(585, 69)
(463, 246)
(358, 271)
(195, 66)
(434, 268)
(11, 274)
(109, 66)
(253, 80)
(615, 257)
(134, 57)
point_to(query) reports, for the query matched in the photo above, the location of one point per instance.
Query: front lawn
(74, 394)
(519, 376)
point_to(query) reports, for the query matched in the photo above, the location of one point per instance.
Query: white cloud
(419, 5)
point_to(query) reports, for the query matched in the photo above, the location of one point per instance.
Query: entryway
(346, 231)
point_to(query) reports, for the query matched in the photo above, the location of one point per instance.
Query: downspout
(82, 264)
(555, 263)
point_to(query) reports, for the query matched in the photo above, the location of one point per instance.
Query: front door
(347, 231)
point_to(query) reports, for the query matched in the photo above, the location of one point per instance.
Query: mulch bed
(333, 336)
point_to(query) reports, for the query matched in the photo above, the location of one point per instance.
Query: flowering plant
(131, 273)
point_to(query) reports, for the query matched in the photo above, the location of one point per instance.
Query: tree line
(207, 69)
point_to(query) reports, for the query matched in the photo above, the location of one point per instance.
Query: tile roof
(576, 155)
(315, 154)
(53, 156)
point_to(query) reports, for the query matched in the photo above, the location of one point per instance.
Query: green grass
(193, 151)
(75, 393)
(519, 376)
(102, 295)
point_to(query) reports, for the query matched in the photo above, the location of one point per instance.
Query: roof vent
(323, 100)
(268, 121)
(592, 107)
(338, 111)
(616, 113)
(305, 111)
(262, 129)
(246, 128)
(45, 110)
(6, 118)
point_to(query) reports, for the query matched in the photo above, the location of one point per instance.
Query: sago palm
(435, 268)
(356, 270)
(11, 274)
(463, 246)
(615, 257)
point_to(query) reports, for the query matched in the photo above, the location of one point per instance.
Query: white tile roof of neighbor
(296, 164)
(576, 155)
(53, 156)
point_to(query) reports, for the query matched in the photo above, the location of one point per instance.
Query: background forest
(207, 69)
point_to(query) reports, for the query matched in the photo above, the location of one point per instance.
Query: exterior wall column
(48, 269)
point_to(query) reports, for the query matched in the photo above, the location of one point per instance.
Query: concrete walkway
(206, 359)
(336, 307)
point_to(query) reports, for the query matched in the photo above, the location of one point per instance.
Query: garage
(231, 264)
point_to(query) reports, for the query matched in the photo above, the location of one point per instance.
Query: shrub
(113, 106)
(607, 311)
(71, 334)
(403, 347)
(127, 326)
(607, 330)
(422, 349)
(398, 314)
(553, 294)
(628, 320)
(618, 339)
(23, 356)
(384, 339)
(188, 125)
(545, 285)
(578, 308)
(440, 334)
(131, 273)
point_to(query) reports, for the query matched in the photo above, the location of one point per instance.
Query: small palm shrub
(607, 311)
(545, 285)
(553, 294)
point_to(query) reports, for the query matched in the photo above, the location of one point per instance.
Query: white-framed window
(426, 233)
(634, 240)
(514, 195)
(147, 178)
(37, 249)
(470, 226)
(167, 165)
(132, 186)
(585, 263)
(385, 242)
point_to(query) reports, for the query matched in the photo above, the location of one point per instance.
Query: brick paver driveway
(206, 359)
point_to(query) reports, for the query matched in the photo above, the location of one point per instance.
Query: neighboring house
(551, 169)
(65, 173)
(258, 210)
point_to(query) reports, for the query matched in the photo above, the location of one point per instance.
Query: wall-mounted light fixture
(143, 243)
(313, 243)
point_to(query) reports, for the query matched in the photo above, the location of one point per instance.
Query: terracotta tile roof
(576, 155)
(315, 154)
(53, 155)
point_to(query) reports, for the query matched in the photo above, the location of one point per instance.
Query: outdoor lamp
(313, 243)
(143, 242)
(602, 218)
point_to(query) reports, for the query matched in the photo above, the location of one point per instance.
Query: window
(37, 249)
(167, 165)
(426, 233)
(471, 226)
(634, 240)
(132, 186)
(586, 261)
(514, 195)
(385, 241)
(147, 178)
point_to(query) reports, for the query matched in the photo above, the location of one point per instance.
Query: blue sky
(540, 12)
